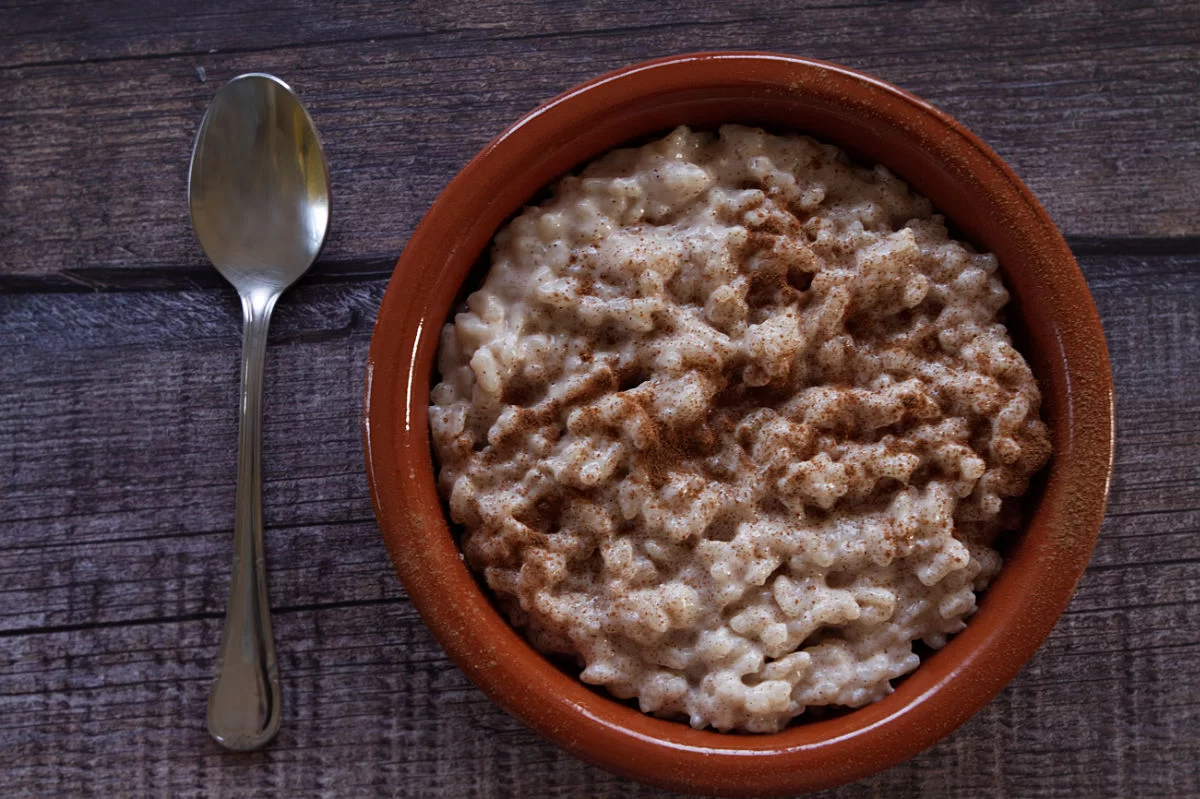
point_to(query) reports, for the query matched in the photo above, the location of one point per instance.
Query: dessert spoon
(258, 192)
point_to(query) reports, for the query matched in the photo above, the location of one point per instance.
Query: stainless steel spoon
(259, 198)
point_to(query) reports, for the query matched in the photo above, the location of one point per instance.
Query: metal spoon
(259, 198)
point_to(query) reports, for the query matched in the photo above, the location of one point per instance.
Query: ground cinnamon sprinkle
(734, 422)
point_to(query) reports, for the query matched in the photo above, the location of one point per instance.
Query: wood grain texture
(119, 349)
(116, 417)
(1093, 103)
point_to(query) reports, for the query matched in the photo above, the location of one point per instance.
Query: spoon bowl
(258, 191)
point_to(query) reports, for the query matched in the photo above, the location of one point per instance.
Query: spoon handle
(244, 702)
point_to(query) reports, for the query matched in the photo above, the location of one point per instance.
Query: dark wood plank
(122, 414)
(113, 563)
(72, 31)
(373, 707)
(1097, 111)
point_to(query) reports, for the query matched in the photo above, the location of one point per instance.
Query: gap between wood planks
(281, 610)
(485, 34)
(379, 267)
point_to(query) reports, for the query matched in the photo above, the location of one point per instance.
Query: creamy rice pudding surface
(733, 422)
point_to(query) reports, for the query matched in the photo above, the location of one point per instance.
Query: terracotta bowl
(1055, 323)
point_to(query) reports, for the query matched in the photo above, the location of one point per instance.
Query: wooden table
(119, 350)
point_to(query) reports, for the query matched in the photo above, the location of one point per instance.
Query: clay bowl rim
(1021, 606)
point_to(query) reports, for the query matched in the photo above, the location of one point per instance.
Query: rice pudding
(733, 422)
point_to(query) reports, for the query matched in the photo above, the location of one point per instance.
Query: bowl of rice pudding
(739, 422)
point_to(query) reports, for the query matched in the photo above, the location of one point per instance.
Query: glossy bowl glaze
(1052, 315)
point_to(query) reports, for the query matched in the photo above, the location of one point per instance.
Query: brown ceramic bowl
(1054, 318)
